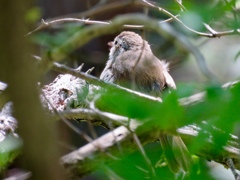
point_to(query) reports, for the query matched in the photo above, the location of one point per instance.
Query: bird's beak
(110, 44)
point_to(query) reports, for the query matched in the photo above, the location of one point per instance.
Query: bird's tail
(176, 153)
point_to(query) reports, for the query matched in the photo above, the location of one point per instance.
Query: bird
(132, 64)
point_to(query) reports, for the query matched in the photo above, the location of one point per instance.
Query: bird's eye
(115, 42)
(125, 46)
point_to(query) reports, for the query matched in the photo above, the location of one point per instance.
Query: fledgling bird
(132, 64)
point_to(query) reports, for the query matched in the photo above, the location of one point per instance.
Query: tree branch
(85, 35)
(96, 81)
(141, 3)
(121, 134)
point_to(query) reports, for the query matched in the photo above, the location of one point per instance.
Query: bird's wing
(107, 74)
(169, 80)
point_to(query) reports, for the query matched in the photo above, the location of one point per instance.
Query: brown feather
(132, 64)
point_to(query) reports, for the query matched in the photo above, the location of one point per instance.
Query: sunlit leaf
(9, 150)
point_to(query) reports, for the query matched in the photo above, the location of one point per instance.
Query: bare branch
(51, 24)
(231, 165)
(121, 134)
(210, 35)
(45, 24)
(97, 10)
(104, 142)
(141, 149)
(110, 139)
(95, 81)
(179, 2)
(96, 115)
(85, 35)
(142, 3)
(72, 127)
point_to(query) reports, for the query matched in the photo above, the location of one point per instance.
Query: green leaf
(9, 150)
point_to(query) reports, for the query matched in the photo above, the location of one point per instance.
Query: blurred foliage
(133, 166)
(220, 15)
(55, 38)
(33, 15)
(219, 111)
(9, 150)
(220, 108)
(219, 104)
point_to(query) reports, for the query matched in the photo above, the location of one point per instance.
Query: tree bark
(18, 70)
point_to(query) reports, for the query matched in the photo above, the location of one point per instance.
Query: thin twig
(96, 110)
(78, 131)
(179, 2)
(116, 5)
(142, 151)
(210, 35)
(112, 175)
(93, 80)
(101, 143)
(214, 33)
(45, 25)
(187, 133)
(231, 166)
(89, 114)
(88, 33)
(75, 129)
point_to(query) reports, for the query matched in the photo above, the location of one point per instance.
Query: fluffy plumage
(132, 64)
